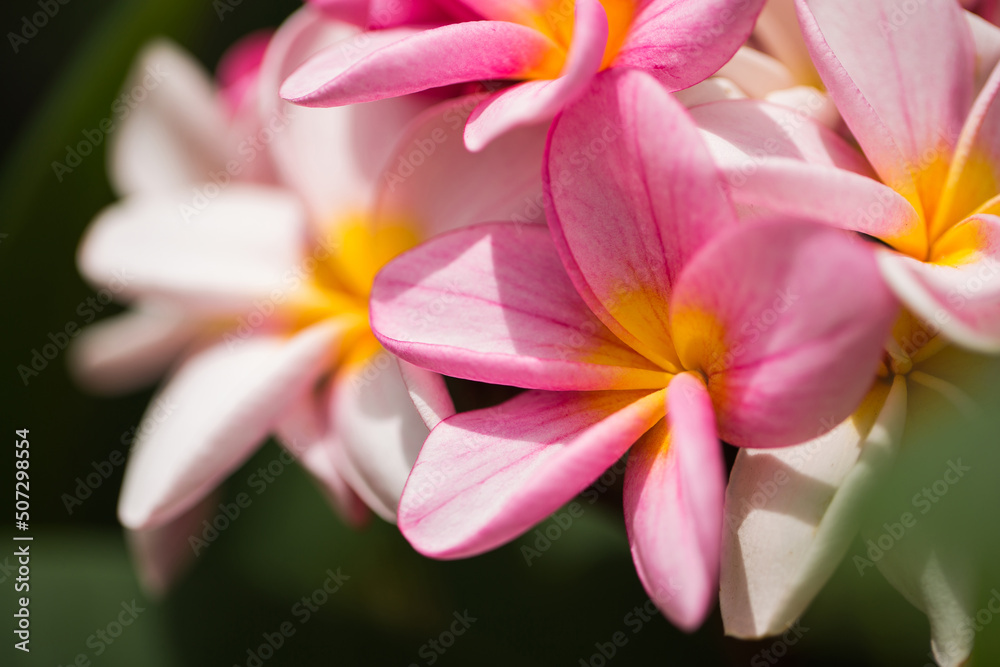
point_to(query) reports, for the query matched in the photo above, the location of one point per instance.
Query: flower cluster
(673, 224)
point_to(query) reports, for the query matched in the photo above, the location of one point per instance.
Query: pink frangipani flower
(552, 48)
(646, 321)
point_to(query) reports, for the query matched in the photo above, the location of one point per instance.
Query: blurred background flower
(280, 580)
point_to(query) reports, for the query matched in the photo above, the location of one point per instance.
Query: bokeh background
(556, 610)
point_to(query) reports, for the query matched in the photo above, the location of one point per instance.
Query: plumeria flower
(646, 321)
(551, 49)
(927, 126)
(275, 280)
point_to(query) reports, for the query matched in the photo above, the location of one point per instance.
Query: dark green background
(551, 613)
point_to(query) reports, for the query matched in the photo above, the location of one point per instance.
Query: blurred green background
(555, 611)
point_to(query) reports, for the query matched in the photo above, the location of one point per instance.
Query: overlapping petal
(216, 258)
(634, 195)
(959, 293)
(523, 323)
(172, 132)
(211, 415)
(398, 62)
(903, 102)
(684, 43)
(536, 101)
(332, 158)
(674, 490)
(130, 350)
(380, 429)
(796, 344)
(305, 431)
(437, 184)
(792, 512)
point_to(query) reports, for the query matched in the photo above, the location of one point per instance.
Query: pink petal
(397, 62)
(333, 183)
(509, 10)
(792, 512)
(775, 158)
(537, 101)
(305, 431)
(211, 416)
(485, 477)
(787, 321)
(522, 322)
(684, 43)
(962, 299)
(131, 350)
(381, 430)
(381, 14)
(428, 392)
(176, 135)
(215, 258)
(905, 103)
(633, 195)
(162, 555)
(436, 183)
(674, 489)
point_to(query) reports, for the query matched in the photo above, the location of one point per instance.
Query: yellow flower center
(951, 186)
(557, 21)
(335, 279)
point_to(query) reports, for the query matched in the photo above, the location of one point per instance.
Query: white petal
(791, 514)
(381, 430)
(130, 350)
(241, 246)
(428, 392)
(305, 432)
(171, 127)
(212, 415)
